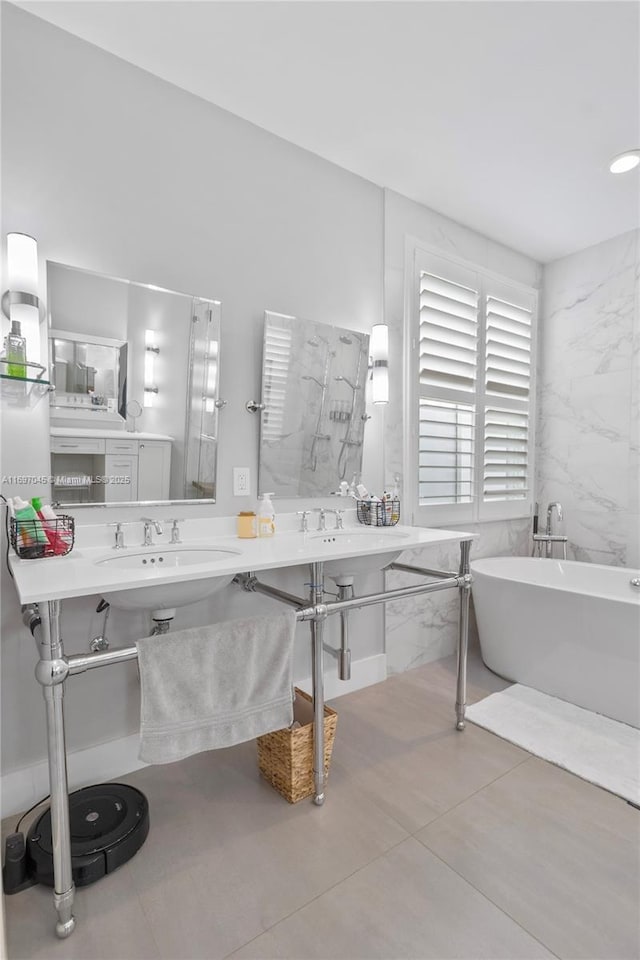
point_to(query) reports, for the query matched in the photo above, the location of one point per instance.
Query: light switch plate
(241, 482)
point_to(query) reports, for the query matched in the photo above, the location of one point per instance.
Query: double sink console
(158, 565)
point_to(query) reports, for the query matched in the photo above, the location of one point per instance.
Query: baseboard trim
(20, 789)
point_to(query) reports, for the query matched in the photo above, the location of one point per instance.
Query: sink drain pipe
(162, 621)
(343, 654)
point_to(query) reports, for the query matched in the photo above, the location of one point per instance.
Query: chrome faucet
(175, 529)
(322, 517)
(119, 544)
(548, 537)
(338, 514)
(558, 508)
(304, 520)
(149, 522)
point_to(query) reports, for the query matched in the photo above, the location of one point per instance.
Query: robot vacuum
(109, 824)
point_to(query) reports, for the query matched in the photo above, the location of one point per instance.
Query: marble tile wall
(424, 628)
(588, 399)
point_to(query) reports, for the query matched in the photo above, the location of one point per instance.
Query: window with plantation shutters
(472, 384)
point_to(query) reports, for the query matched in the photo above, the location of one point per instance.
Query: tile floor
(431, 843)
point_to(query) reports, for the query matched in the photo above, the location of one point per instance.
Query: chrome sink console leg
(344, 663)
(463, 635)
(48, 672)
(316, 596)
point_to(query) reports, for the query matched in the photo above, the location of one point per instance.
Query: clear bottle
(266, 516)
(16, 351)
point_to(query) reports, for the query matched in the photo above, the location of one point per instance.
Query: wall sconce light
(211, 376)
(20, 303)
(151, 349)
(379, 366)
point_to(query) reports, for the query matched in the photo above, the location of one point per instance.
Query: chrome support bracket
(63, 902)
(464, 586)
(247, 581)
(320, 612)
(317, 673)
(51, 671)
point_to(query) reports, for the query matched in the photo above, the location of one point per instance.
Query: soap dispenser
(266, 516)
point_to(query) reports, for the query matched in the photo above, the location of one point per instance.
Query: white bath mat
(598, 749)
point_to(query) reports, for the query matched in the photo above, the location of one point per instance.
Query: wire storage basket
(34, 539)
(379, 513)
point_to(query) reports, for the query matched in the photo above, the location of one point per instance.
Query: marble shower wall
(588, 399)
(425, 628)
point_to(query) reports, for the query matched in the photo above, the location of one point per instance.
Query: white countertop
(78, 574)
(107, 434)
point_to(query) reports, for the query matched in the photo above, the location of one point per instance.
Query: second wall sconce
(151, 349)
(379, 367)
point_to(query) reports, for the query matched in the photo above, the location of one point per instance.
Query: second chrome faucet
(548, 537)
(149, 522)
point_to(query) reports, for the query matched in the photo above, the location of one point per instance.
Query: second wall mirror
(313, 389)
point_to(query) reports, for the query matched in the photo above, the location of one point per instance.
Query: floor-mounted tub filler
(566, 628)
(84, 573)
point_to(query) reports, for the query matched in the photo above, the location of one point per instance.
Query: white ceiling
(501, 115)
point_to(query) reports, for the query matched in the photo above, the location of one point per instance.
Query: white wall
(589, 399)
(424, 629)
(116, 171)
(88, 304)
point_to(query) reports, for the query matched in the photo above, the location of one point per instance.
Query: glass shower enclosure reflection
(313, 390)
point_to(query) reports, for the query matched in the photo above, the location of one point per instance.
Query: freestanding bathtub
(569, 629)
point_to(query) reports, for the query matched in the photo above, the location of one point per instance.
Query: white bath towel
(214, 686)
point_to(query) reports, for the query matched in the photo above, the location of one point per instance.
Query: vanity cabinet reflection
(134, 415)
(119, 468)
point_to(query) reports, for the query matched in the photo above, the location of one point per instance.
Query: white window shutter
(506, 454)
(507, 415)
(508, 350)
(446, 448)
(448, 334)
(447, 377)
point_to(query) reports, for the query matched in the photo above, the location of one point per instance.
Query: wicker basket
(285, 757)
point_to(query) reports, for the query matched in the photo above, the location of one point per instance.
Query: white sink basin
(349, 567)
(166, 596)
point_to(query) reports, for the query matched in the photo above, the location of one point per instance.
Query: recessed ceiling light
(625, 161)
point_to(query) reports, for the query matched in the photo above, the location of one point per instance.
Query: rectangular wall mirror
(136, 369)
(313, 389)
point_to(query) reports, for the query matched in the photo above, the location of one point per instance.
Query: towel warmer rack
(54, 667)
